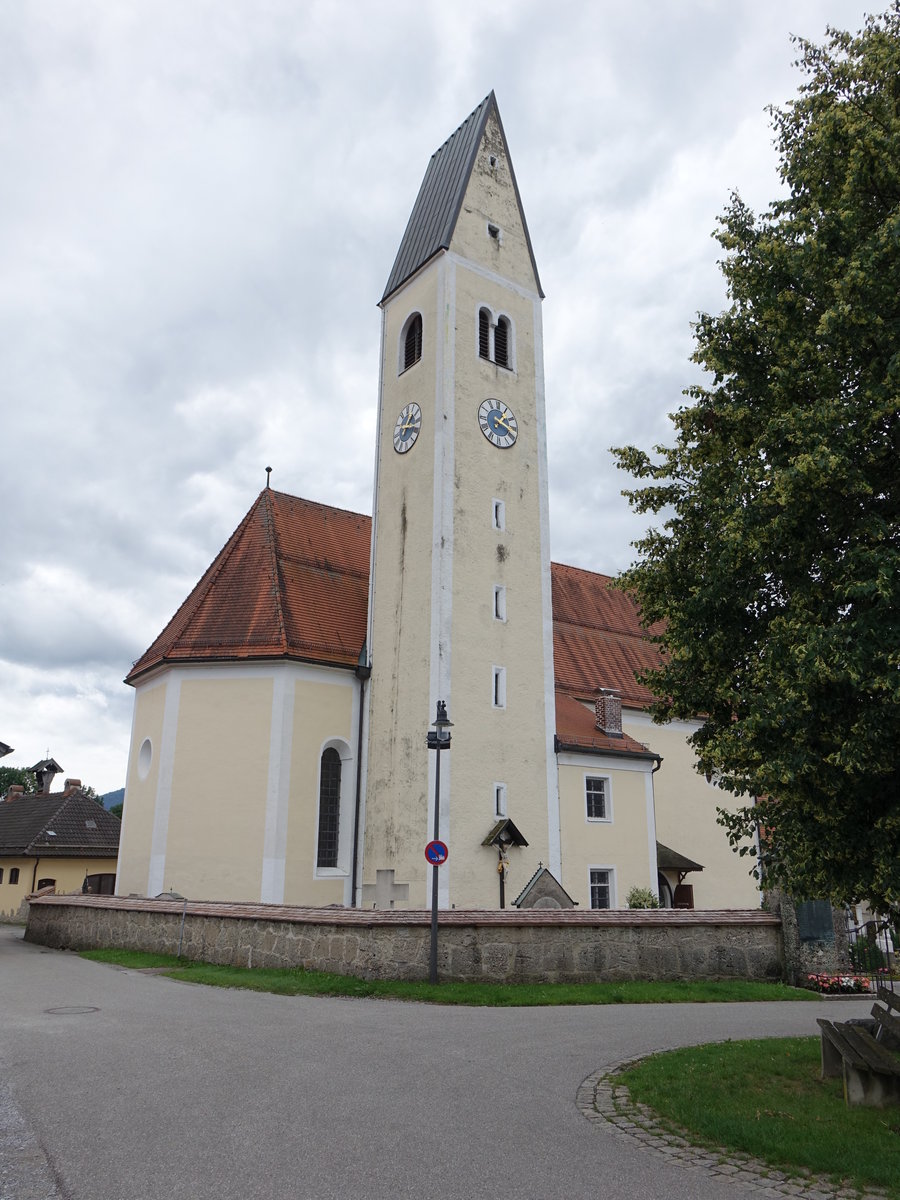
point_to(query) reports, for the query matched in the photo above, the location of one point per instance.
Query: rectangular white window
(597, 798)
(601, 887)
(499, 692)
(499, 799)
(499, 602)
(498, 519)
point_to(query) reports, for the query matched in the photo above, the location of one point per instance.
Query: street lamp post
(438, 740)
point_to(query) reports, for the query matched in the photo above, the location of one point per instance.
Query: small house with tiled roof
(279, 748)
(65, 840)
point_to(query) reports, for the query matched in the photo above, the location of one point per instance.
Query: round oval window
(145, 758)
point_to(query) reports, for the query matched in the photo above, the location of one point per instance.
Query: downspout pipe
(363, 671)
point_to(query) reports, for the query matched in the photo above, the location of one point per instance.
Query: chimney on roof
(608, 707)
(14, 791)
(72, 785)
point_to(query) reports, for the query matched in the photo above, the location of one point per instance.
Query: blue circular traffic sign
(436, 853)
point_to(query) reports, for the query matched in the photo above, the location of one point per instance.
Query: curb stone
(604, 1099)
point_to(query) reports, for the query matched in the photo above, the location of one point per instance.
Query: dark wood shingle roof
(62, 825)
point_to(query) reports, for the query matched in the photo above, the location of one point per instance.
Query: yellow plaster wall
(140, 795)
(396, 813)
(322, 712)
(686, 818)
(218, 809)
(489, 745)
(621, 844)
(68, 873)
(496, 745)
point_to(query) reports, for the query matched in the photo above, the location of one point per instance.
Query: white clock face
(407, 428)
(498, 423)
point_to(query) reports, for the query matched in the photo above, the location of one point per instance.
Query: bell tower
(459, 605)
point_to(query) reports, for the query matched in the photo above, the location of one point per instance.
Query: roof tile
(58, 825)
(292, 581)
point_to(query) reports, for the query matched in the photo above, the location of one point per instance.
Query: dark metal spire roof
(435, 212)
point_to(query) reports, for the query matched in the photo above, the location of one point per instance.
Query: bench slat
(891, 999)
(835, 1034)
(888, 1026)
(876, 1057)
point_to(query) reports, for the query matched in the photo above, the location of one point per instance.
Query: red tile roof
(576, 729)
(292, 582)
(598, 640)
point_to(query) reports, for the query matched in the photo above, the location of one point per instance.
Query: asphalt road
(165, 1090)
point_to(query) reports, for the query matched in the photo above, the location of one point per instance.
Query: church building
(279, 747)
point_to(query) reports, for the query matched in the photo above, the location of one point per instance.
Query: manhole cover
(72, 1010)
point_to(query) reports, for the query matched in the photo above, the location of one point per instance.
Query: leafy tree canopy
(776, 569)
(12, 775)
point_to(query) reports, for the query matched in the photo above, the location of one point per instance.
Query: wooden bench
(866, 1054)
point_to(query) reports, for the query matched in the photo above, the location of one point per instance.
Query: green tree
(776, 569)
(13, 775)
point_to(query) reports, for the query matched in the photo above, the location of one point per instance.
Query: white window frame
(499, 609)
(498, 687)
(607, 795)
(499, 799)
(498, 515)
(345, 831)
(611, 883)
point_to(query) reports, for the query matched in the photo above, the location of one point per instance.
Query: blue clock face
(498, 423)
(407, 428)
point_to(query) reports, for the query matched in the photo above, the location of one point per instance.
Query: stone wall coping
(666, 917)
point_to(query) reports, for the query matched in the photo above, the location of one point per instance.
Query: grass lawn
(297, 982)
(766, 1099)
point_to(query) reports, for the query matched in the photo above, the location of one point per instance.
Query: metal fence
(873, 952)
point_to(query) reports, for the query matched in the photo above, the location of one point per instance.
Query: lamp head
(441, 722)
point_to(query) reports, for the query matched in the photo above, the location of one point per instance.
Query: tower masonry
(460, 602)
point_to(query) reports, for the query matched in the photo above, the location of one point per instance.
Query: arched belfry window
(329, 808)
(495, 339)
(501, 342)
(411, 342)
(484, 333)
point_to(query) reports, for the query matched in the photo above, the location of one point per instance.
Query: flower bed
(837, 985)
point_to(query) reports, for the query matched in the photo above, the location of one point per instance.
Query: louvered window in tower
(329, 809)
(484, 333)
(501, 343)
(412, 346)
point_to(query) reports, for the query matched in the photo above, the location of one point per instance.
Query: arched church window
(329, 808)
(411, 342)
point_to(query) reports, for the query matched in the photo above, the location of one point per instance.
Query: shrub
(640, 897)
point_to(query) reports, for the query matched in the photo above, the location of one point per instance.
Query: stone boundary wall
(535, 946)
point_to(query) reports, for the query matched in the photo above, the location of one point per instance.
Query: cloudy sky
(201, 203)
